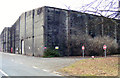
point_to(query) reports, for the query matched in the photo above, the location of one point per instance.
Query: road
(21, 65)
(11, 66)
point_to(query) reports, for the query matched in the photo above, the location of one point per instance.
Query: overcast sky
(10, 10)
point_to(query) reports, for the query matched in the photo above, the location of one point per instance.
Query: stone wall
(39, 17)
(56, 29)
(5, 39)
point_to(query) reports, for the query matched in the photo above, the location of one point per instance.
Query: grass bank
(93, 67)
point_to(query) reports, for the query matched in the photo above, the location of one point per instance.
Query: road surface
(21, 65)
(15, 66)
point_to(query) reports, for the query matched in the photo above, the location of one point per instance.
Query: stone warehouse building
(50, 27)
(5, 39)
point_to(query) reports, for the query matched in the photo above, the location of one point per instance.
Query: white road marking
(11, 54)
(45, 70)
(3, 72)
(35, 67)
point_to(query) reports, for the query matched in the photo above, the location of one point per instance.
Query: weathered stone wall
(2, 41)
(13, 38)
(1, 46)
(17, 35)
(29, 33)
(56, 28)
(28, 46)
(77, 25)
(39, 31)
(118, 32)
(8, 40)
(29, 23)
(22, 30)
(22, 26)
(5, 39)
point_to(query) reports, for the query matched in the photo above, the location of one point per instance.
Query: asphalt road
(21, 65)
(15, 66)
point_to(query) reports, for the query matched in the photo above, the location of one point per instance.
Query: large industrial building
(50, 27)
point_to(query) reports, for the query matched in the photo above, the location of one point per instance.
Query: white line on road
(3, 72)
(35, 67)
(45, 70)
(11, 54)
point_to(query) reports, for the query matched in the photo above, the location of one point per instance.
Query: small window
(70, 31)
(48, 11)
(48, 17)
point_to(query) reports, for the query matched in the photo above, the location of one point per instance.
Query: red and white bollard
(83, 48)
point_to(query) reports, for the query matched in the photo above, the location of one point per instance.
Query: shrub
(93, 46)
(77, 41)
(99, 41)
(51, 53)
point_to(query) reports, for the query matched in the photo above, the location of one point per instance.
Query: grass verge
(93, 67)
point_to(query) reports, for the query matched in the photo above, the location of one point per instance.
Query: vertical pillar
(25, 34)
(115, 32)
(45, 27)
(86, 24)
(119, 9)
(33, 31)
(102, 27)
(19, 37)
(68, 34)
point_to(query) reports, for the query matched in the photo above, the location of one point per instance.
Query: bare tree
(104, 8)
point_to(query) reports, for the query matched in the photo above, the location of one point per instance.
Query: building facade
(5, 39)
(50, 27)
